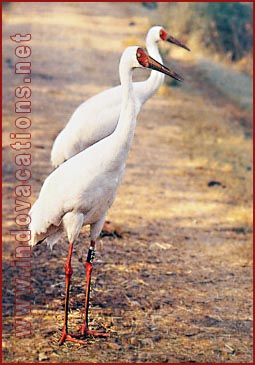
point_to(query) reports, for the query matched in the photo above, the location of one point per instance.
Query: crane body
(81, 190)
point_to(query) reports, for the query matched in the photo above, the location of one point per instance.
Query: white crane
(98, 116)
(81, 190)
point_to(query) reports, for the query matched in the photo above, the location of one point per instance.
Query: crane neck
(156, 79)
(124, 131)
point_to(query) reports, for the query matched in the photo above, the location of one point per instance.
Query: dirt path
(177, 286)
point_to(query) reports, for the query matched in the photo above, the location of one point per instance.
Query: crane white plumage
(97, 117)
(81, 190)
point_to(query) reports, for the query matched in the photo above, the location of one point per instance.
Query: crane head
(167, 37)
(147, 61)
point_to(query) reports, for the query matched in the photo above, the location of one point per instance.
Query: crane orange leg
(89, 267)
(69, 271)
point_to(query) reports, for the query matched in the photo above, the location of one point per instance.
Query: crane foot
(72, 338)
(85, 331)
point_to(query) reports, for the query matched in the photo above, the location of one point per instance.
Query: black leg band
(91, 255)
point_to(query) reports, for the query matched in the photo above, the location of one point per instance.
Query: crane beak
(173, 40)
(155, 65)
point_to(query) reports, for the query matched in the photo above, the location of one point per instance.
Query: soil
(172, 278)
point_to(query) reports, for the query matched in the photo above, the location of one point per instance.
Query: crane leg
(69, 271)
(89, 267)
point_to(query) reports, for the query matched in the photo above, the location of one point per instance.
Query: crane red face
(163, 34)
(142, 57)
(147, 61)
(167, 37)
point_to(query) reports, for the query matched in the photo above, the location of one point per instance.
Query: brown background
(176, 287)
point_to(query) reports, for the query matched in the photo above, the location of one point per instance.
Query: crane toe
(72, 338)
(100, 333)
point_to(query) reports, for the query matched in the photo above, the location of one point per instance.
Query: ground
(172, 279)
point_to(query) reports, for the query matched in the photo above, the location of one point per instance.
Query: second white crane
(97, 117)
